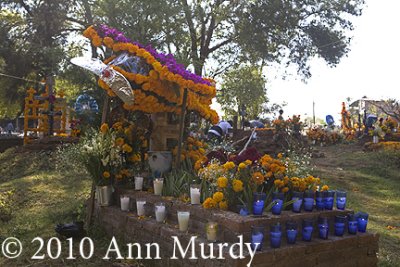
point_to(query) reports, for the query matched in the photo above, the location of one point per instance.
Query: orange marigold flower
(237, 185)
(222, 182)
(285, 189)
(223, 205)
(325, 188)
(104, 128)
(119, 141)
(106, 174)
(127, 148)
(242, 166)
(218, 196)
(258, 178)
(209, 203)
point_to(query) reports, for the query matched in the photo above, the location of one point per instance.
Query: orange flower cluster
(275, 168)
(195, 151)
(302, 184)
(162, 90)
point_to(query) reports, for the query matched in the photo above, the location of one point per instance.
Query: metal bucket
(104, 194)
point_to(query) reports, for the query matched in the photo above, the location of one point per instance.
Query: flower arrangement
(195, 151)
(98, 153)
(227, 185)
(161, 89)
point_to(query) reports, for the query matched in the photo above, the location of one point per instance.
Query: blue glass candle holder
(308, 200)
(259, 203)
(362, 221)
(319, 200)
(340, 222)
(323, 227)
(328, 199)
(307, 229)
(242, 210)
(257, 237)
(352, 224)
(298, 198)
(291, 232)
(275, 236)
(277, 198)
(341, 200)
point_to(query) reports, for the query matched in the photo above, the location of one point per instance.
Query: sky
(370, 69)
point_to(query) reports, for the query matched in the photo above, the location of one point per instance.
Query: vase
(104, 194)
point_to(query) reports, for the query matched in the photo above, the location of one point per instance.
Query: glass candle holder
(140, 207)
(277, 198)
(298, 198)
(341, 200)
(242, 210)
(258, 203)
(362, 221)
(308, 200)
(158, 186)
(319, 200)
(160, 211)
(125, 203)
(275, 236)
(183, 220)
(323, 227)
(307, 229)
(195, 194)
(138, 183)
(291, 232)
(352, 224)
(328, 199)
(211, 231)
(257, 237)
(340, 222)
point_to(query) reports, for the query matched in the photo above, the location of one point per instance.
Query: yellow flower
(135, 158)
(218, 196)
(229, 165)
(280, 155)
(222, 182)
(248, 162)
(209, 203)
(285, 189)
(237, 185)
(104, 128)
(118, 176)
(127, 148)
(223, 205)
(119, 141)
(258, 178)
(106, 174)
(242, 166)
(325, 188)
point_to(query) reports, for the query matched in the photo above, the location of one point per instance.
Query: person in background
(219, 131)
(256, 123)
(10, 128)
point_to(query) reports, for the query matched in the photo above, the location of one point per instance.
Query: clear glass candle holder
(291, 232)
(195, 194)
(158, 184)
(212, 231)
(125, 200)
(277, 198)
(183, 220)
(298, 201)
(160, 212)
(140, 207)
(139, 183)
(341, 197)
(308, 227)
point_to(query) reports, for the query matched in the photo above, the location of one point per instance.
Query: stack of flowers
(195, 150)
(159, 81)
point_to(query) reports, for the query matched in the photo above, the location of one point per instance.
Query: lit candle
(323, 227)
(138, 183)
(362, 222)
(277, 197)
(183, 220)
(140, 207)
(160, 212)
(308, 200)
(298, 198)
(307, 230)
(124, 203)
(352, 227)
(158, 186)
(275, 236)
(257, 240)
(258, 207)
(291, 235)
(319, 200)
(341, 200)
(195, 194)
(211, 231)
(330, 195)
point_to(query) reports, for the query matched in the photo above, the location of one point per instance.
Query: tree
(390, 107)
(243, 87)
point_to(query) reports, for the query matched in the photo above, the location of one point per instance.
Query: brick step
(349, 250)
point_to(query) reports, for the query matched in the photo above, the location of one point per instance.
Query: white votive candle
(194, 194)
(183, 220)
(158, 186)
(211, 231)
(140, 207)
(125, 203)
(160, 212)
(138, 183)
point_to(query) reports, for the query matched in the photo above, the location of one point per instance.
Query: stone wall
(349, 250)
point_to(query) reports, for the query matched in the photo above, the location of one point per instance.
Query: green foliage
(6, 205)
(243, 87)
(298, 163)
(177, 182)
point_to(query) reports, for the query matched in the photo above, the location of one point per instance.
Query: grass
(372, 180)
(41, 198)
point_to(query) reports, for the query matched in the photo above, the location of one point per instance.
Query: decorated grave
(244, 209)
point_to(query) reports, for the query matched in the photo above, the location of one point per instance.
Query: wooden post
(181, 128)
(50, 83)
(93, 191)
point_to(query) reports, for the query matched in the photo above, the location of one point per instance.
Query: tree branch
(192, 30)
(217, 46)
